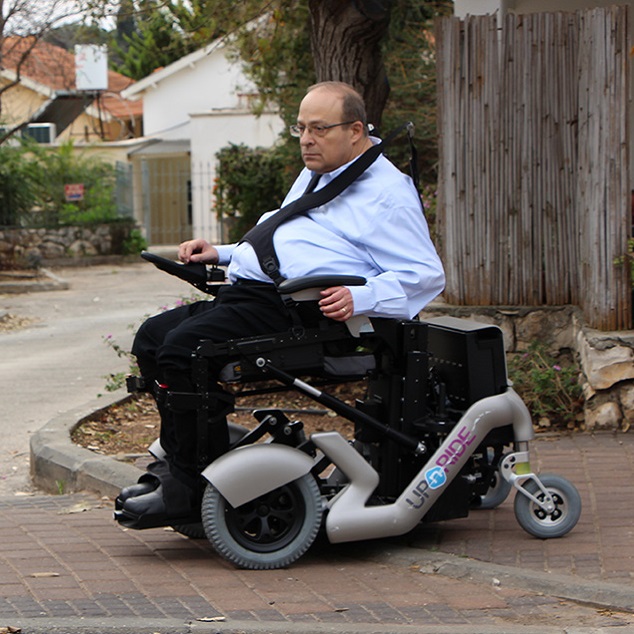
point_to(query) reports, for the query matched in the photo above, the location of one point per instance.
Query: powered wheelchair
(439, 432)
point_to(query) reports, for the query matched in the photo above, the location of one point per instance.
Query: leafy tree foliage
(67, 35)
(286, 45)
(279, 57)
(411, 68)
(154, 43)
(154, 33)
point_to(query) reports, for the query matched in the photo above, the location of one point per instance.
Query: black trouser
(163, 347)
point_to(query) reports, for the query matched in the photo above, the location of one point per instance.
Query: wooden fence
(534, 191)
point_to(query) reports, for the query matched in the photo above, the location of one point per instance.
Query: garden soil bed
(126, 430)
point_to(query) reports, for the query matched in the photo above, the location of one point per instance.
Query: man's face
(339, 145)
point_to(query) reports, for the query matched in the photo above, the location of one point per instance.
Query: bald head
(331, 121)
(352, 104)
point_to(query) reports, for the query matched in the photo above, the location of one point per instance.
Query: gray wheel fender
(244, 474)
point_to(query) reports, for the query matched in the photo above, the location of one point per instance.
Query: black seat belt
(260, 237)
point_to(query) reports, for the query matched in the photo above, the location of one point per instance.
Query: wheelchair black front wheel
(271, 531)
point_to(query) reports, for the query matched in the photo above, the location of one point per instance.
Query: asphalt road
(60, 361)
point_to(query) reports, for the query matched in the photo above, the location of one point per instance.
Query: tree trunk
(346, 40)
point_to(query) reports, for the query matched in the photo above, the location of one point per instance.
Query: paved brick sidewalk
(66, 564)
(601, 546)
(64, 557)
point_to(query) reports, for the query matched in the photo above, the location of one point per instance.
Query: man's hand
(197, 250)
(337, 303)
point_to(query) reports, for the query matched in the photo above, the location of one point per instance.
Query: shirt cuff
(362, 298)
(224, 253)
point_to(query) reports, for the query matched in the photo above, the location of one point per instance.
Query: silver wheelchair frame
(440, 432)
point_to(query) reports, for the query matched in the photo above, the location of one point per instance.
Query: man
(375, 229)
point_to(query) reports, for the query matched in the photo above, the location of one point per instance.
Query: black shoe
(151, 503)
(170, 503)
(135, 490)
(147, 483)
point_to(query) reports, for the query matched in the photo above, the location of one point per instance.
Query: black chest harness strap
(260, 237)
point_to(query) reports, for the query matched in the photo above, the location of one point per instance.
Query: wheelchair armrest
(317, 282)
(306, 289)
(197, 274)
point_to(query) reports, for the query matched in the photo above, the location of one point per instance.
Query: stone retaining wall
(32, 247)
(606, 359)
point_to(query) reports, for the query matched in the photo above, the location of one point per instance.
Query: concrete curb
(173, 626)
(51, 282)
(58, 465)
(599, 593)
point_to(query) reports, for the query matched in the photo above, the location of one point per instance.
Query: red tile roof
(54, 67)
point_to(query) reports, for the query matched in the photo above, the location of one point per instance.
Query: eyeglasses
(314, 130)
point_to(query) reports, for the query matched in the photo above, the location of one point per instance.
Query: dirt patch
(11, 323)
(126, 430)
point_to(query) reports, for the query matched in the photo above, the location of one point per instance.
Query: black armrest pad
(195, 273)
(319, 281)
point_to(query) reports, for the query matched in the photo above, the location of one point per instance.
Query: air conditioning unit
(41, 132)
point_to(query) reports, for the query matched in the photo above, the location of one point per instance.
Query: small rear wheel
(272, 531)
(499, 487)
(496, 494)
(557, 523)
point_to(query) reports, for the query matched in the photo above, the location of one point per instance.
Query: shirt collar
(328, 176)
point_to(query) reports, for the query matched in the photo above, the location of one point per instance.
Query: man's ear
(358, 131)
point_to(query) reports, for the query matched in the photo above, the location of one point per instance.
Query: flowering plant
(115, 381)
(549, 387)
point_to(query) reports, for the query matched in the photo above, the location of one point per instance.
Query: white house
(192, 108)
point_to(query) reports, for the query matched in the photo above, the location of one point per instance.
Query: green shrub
(32, 180)
(627, 259)
(134, 243)
(549, 387)
(19, 185)
(65, 166)
(249, 182)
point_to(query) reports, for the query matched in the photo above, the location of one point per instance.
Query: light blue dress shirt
(375, 228)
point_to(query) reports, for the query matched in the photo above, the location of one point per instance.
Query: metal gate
(167, 200)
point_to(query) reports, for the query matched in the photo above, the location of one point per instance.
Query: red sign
(74, 191)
